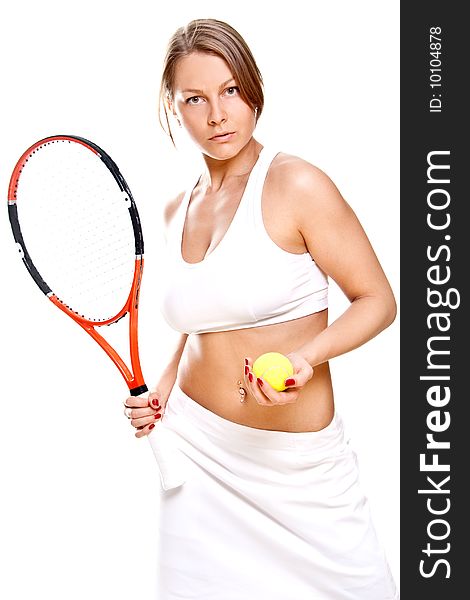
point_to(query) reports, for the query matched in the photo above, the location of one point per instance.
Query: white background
(79, 502)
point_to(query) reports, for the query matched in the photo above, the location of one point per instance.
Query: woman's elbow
(389, 309)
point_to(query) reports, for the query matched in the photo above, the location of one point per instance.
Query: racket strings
(77, 228)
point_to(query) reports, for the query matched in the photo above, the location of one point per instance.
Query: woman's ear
(169, 105)
(171, 109)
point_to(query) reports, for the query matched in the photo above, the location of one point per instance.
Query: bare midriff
(212, 364)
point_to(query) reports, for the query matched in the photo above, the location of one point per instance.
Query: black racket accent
(18, 237)
(139, 240)
(139, 390)
(108, 161)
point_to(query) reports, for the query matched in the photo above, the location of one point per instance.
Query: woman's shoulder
(291, 174)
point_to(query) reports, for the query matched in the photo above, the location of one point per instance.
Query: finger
(136, 401)
(247, 368)
(143, 421)
(256, 390)
(250, 382)
(275, 397)
(154, 400)
(290, 382)
(144, 430)
(300, 378)
(137, 413)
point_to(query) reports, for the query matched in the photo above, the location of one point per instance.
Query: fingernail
(246, 361)
(158, 416)
(152, 425)
(155, 402)
(260, 382)
(250, 377)
(289, 381)
(246, 370)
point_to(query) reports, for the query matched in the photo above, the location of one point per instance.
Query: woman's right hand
(143, 413)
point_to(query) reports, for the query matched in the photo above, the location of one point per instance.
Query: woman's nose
(217, 114)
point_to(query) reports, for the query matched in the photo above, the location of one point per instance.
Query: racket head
(78, 231)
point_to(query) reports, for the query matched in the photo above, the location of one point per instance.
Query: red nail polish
(155, 402)
(246, 361)
(152, 425)
(158, 416)
(250, 377)
(260, 382)
(246, 370)
(289, 381)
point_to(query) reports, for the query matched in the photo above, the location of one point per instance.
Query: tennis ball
(275, 368)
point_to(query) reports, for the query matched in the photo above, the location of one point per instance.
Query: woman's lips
(225, 137)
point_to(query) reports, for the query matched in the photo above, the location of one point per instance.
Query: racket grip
(169, 458)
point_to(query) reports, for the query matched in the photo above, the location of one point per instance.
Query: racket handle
(170, 459)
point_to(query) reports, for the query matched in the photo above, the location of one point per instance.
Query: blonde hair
(213, 37)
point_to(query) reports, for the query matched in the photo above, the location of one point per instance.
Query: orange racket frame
(133, 377)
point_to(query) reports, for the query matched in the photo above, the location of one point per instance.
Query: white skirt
(265, 514)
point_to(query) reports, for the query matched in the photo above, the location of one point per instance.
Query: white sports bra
(247, 280)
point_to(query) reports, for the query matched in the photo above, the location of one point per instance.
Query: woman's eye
(231, 91)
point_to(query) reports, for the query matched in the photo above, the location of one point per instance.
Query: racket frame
(134, 379)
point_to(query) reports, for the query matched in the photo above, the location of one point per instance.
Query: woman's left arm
(340, 247)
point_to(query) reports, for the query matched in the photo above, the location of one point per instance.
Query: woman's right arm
(143, 412)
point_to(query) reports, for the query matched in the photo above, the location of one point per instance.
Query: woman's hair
(220, 39)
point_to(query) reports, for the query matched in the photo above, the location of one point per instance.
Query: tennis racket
(78, 231)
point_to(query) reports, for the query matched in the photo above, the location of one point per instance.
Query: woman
(272, 504)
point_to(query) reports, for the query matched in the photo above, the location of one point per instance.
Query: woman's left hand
(266, 395)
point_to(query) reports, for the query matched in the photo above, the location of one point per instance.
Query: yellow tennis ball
(275, 368)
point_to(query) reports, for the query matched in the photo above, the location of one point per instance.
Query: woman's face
(207, 103)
